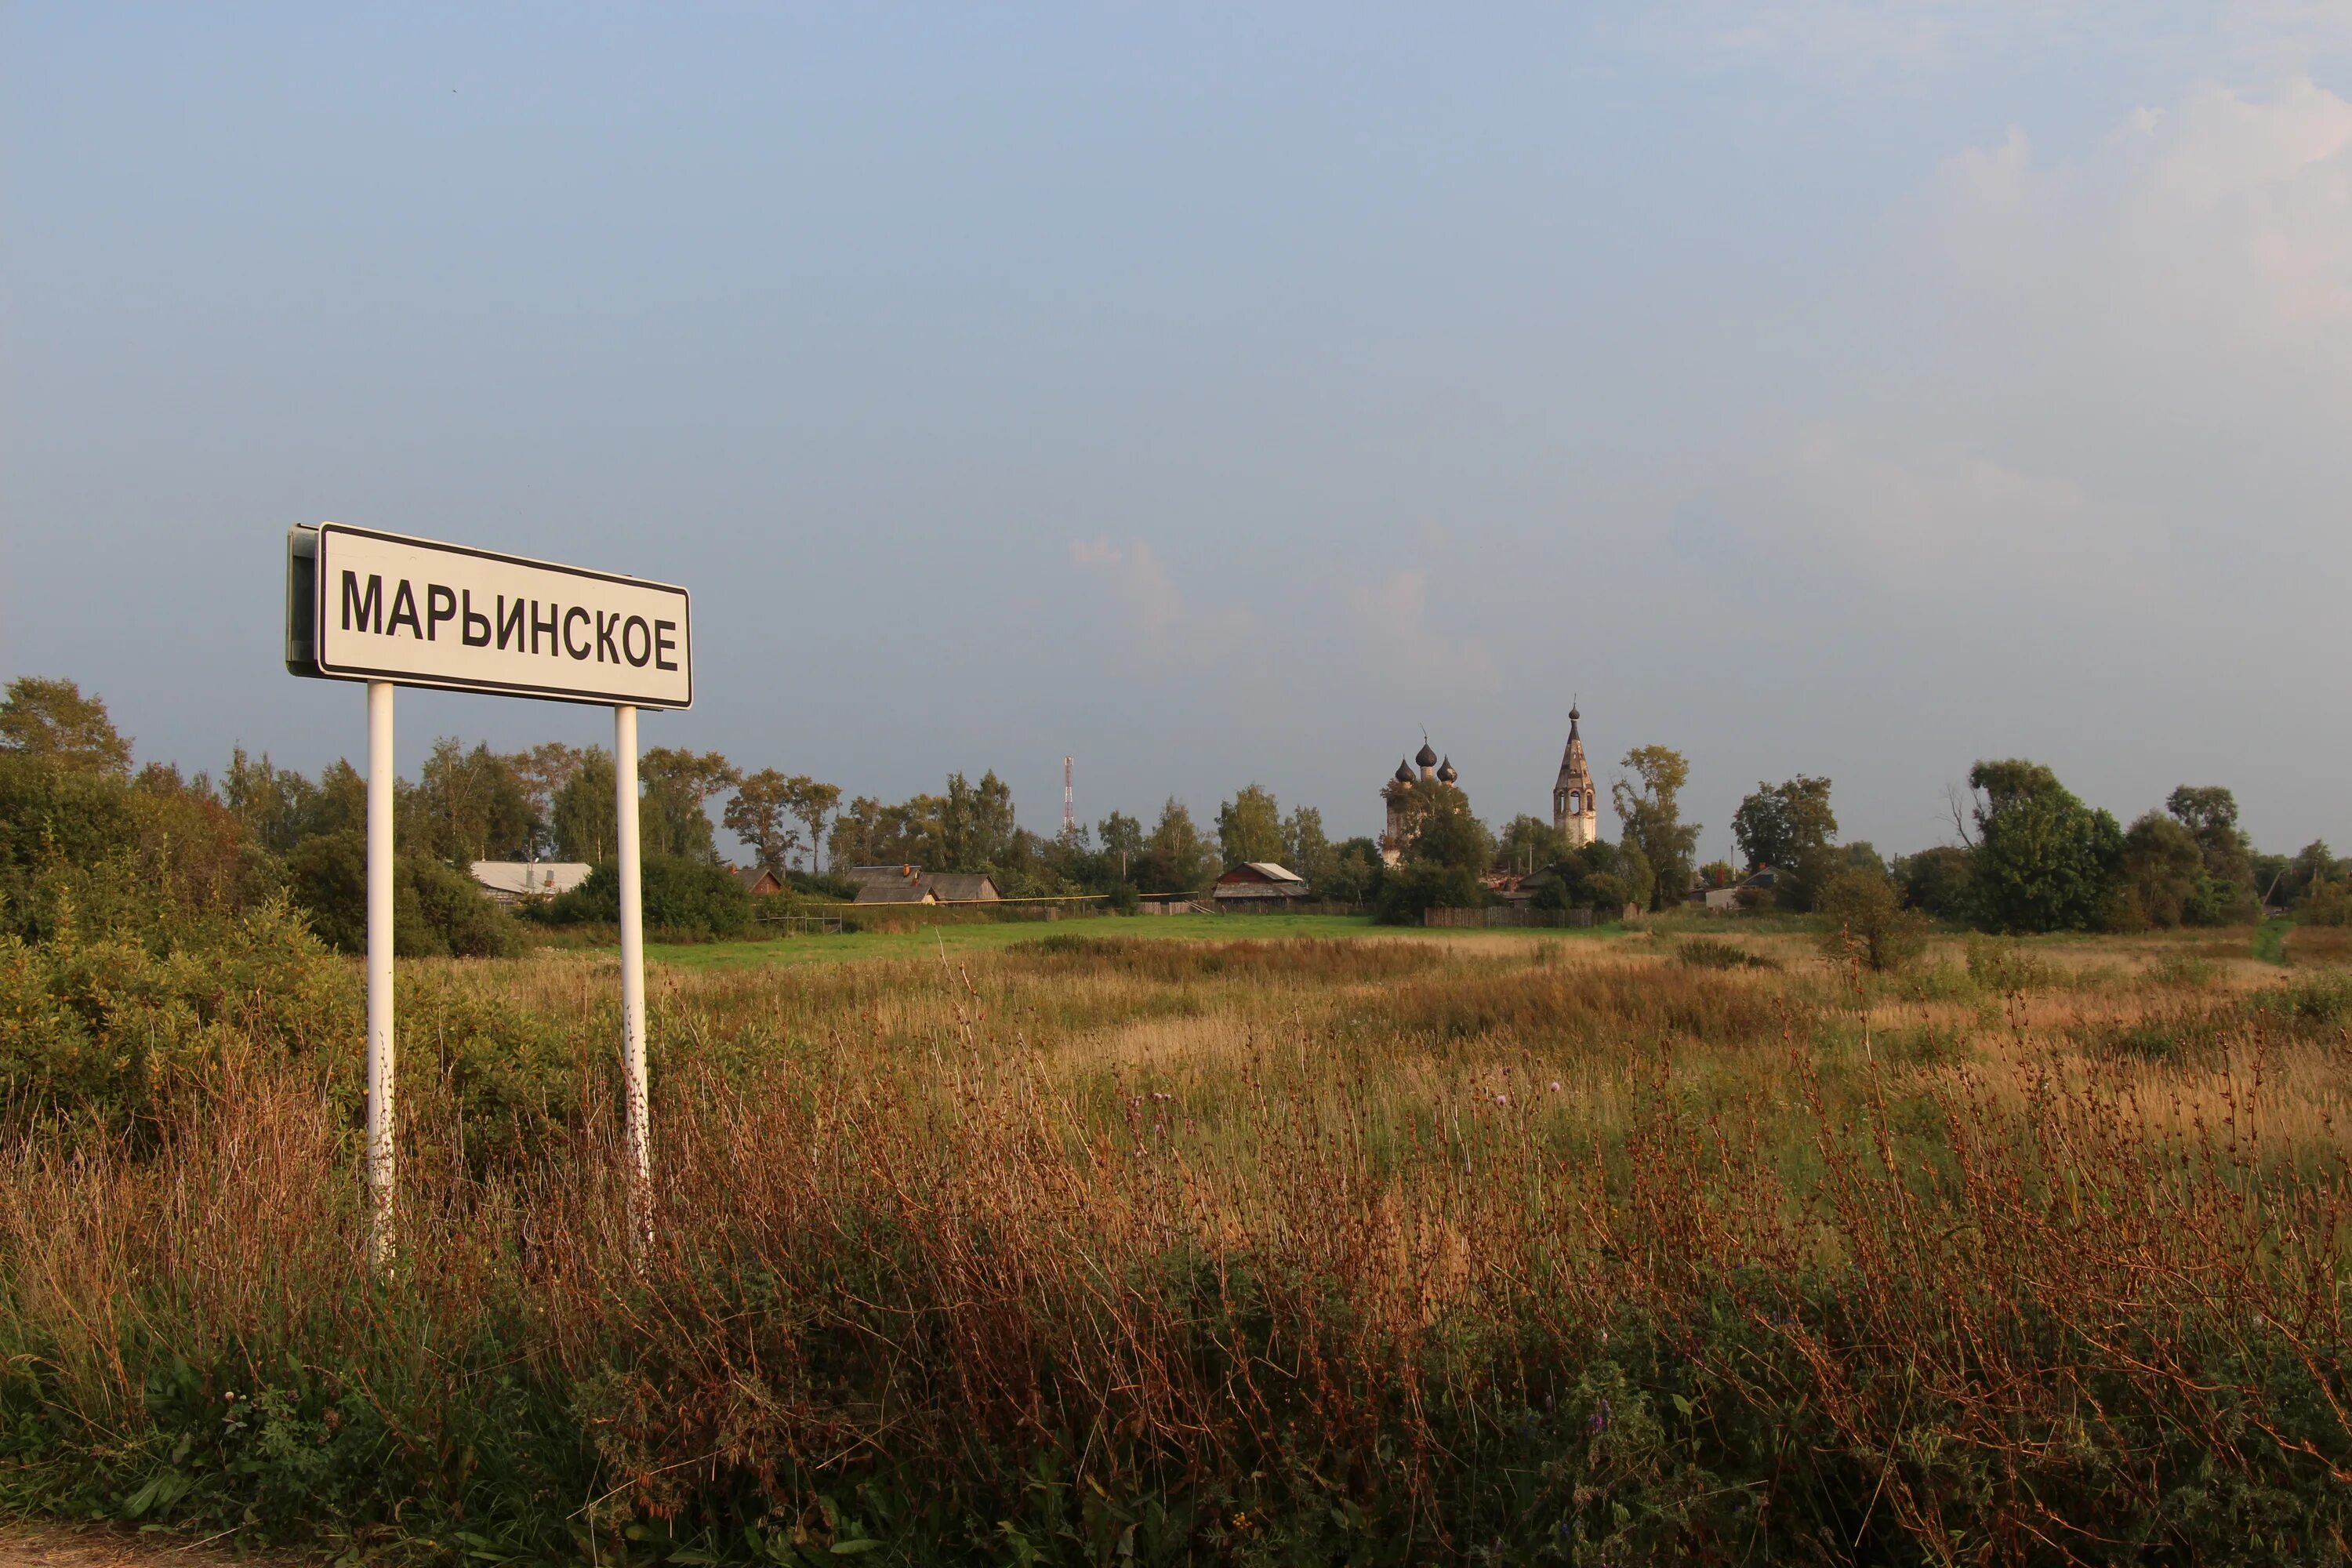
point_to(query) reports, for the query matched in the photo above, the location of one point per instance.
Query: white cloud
(1396, 639)
(1905, 45)
(2222, 226)
(1938, 523)
(1163, 626)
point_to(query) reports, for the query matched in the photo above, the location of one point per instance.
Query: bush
(831, 889)
(684, 896)
(2006, 966)
(437, 910)
(1607, 896)
(1935, 882)
(101, 1025)
(2326, 904)
(1410, 890)
(1863, 917)
(1711, 952)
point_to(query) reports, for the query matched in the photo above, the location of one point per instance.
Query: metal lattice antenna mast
(1069, 802)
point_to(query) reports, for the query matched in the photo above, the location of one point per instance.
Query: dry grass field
(1673, 1245)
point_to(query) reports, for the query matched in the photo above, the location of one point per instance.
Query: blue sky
(1224, 394)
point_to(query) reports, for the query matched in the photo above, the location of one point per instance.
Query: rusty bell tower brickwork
(1575, 813)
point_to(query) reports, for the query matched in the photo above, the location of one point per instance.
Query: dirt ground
(65, 1546)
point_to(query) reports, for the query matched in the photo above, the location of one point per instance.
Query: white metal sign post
(389, 610)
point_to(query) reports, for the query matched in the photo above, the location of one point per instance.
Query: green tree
(1528, 845)
(1249, 826)
(52, 720)
(856, 830)
(1778, 823)
(1355, 871)
(912, 833)
(1935, 882)
(1176, 858)
(2210, 812)
(1442, 864)
(976, 823)
(585, 817)
(1652, 816)
(2325, 902)
(1448, 832)
(467, 806)
(759, 815)
(674, 811)
(2043, 860)
(2162, 875)
(1122, 842)
(1863, 918)
(277, 805)
(811, 802)
(542, 772)
(1305, 850)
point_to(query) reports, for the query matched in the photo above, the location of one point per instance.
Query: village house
(758, 880)
(513, 881)
(1259, 884)
(913, 885)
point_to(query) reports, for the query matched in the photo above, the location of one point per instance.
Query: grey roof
(1270, 871)
(534, 877)
(906, 885)
(892, 893)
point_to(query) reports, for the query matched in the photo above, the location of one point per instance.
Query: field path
(66, 1546)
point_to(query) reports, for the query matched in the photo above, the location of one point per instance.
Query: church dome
(1404, 773)
(1445, 773)
(1426, 757)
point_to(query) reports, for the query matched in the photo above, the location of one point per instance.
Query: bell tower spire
(1575, 813)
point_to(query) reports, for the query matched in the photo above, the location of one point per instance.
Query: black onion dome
(1425, 757)
(1404, 773)
(1445, 773)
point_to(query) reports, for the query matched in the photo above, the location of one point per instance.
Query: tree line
(2029, 856)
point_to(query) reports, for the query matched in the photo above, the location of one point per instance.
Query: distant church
(1575, 804)
(1401, 826)
(1575, 810)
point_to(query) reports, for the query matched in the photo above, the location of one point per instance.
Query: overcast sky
(1224, 393)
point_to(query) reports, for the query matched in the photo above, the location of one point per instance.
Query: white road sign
(387, 607)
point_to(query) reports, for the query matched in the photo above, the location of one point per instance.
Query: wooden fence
(1507, 915)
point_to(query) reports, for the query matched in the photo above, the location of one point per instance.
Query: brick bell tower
(1575, 812)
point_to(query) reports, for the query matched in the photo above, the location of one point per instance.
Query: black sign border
(488, 687)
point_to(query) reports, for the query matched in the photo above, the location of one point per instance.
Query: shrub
(102, 1026)
(685, 896)
(1409, 891)
(463, 919)
(2326, 903)
(2321, 1003)
(1607, 895)
(437, 910)
(826, 888)
(2006, 966)
(2183, 969)
(1712, 952)
(1863, 916)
